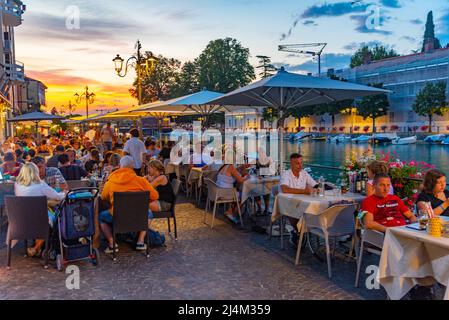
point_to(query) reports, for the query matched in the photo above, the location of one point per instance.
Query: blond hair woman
(29, 184)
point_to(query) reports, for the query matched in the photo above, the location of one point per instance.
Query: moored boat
(362, 139)
(384, 137)
(341, 138)
(437, 138)
(405, 141)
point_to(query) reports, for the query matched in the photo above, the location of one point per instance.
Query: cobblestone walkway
(225, 263)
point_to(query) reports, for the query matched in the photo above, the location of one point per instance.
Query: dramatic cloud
(353, 46)
(417, 21)
(362, 27)
(407, 38)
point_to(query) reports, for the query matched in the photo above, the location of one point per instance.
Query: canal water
(333, 154)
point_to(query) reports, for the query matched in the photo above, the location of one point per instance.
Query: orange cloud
(62, 87)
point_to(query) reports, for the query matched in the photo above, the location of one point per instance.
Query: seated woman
(94, 162)
(10, 166)
(435, 192)
(228, 175)
(29, 184)
(161, 183)
(374, 168)
(113, 165)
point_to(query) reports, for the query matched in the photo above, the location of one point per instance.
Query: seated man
(71, 172)
(296, 181)
(124, 179)
(53, 161)
(51, 176)
(384, 210)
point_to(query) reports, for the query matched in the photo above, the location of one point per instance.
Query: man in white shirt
(106, 137)
(136, 149)
(296, 181)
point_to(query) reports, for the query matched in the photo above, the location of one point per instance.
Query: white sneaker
(141, 247)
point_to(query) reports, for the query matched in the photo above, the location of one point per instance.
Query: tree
(367, 54)
(188, 80)
(430, 101)
(333, 108)
(224, 66)
(429, 34)
(301, 112)
(161, 83)
(266, 67)
(373, 106)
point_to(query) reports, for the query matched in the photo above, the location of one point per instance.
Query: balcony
(12, 11)
(15, 72)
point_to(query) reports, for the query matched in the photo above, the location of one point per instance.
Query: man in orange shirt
(124, 180)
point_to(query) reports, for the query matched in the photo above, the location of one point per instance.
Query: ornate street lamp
(143, 66)
(89, 97)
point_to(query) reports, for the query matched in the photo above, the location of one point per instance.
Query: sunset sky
(68, 60)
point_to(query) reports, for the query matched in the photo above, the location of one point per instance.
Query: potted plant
(425, 128)
(384, 128)
(314, 129)
(342, 129)
(366, 129)
(394, 128)
(357, 128)
(322, 129)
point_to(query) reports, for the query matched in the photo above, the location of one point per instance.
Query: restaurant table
(258, 186)
(296, 205)
(411, 257)
(171, 168)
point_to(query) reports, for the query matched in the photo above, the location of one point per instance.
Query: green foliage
(373, 106)
(431, 100)
(224, 66)
(162, 82)
(187, 80)
(376, 53)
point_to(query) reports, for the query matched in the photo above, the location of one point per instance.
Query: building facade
(31, 95)
(405, 76)
(12, 73)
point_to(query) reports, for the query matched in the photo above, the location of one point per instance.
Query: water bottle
(322, 187)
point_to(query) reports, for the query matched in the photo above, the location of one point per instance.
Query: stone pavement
(225, 263)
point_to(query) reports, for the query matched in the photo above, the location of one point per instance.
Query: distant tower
(430, 43)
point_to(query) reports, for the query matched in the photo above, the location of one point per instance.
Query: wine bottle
(358, 184)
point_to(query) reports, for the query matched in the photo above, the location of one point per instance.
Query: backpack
(156, 239)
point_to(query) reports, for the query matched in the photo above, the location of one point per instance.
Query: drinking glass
(423, 218)
(337, 193)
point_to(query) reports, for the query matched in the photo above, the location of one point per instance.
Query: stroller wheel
(95, 257)
(59, 263)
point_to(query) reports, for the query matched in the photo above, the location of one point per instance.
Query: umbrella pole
(281, 135)
(37, 130)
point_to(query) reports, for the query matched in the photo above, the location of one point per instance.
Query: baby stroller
(76, 228)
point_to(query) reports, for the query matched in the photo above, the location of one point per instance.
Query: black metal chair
(176, 185)
(6, 189)
(130, 215)
(28, 219)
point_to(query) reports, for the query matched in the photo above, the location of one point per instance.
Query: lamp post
(89, 97)
(143, 66)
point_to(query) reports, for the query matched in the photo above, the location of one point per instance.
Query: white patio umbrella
(285, 90)
(194, 103)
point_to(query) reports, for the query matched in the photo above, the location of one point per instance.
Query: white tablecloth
(256, 187)
(411, 257)
(293, 205)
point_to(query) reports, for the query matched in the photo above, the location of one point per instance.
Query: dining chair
(371, 241)
(220, 196)
(78, 184)
(25, 224)
(130, 215)
(334, 222)
(171, 214)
